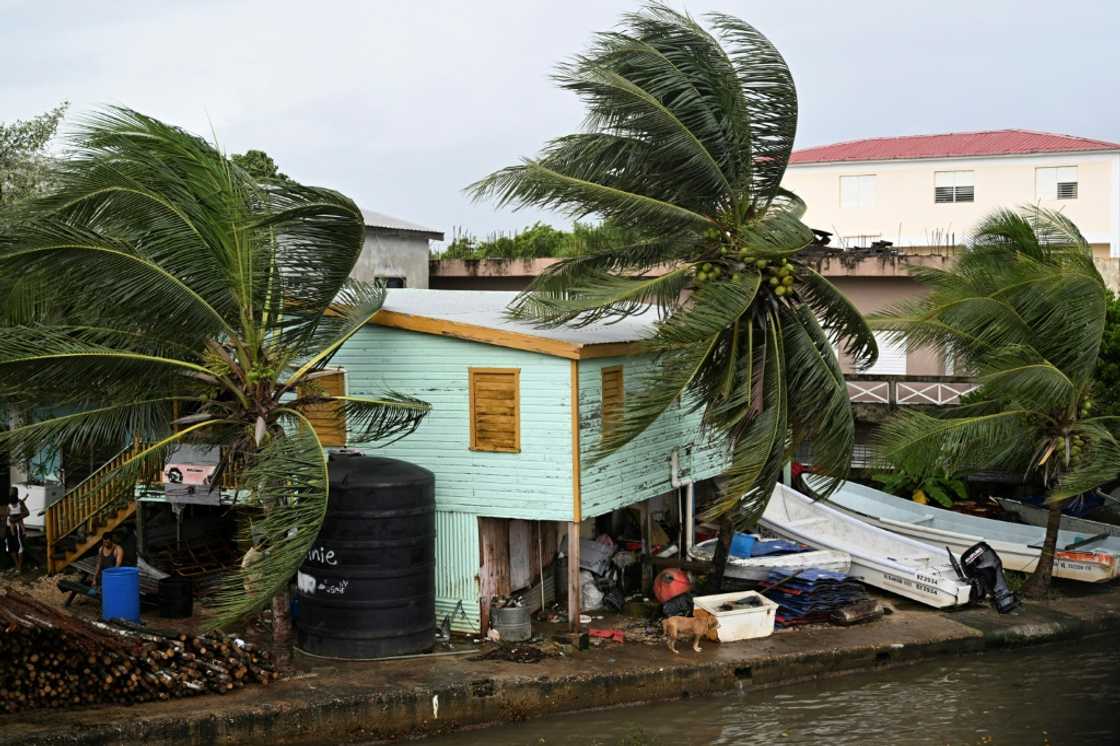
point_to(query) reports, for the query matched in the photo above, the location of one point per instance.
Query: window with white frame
(857, 191)
(1056, 182)
(953, 186)
(892, 356)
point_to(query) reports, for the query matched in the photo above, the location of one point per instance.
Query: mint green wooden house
(516, 413)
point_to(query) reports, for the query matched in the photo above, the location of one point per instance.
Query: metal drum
(367, 587)
(513, 624)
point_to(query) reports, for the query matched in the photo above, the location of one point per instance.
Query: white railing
(909, 391)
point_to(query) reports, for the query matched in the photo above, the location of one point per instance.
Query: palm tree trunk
(723, 551)
(281, 630)
(1039, 582)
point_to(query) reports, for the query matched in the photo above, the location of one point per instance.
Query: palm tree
(688, 132)
(1024, 309)
(161, 292)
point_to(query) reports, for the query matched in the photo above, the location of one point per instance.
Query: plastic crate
(741, 623)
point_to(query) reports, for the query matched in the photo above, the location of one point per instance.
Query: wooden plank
(493, 573)
(328, 419)
(574, 605)
(521, 552)
(612, 400)
(495, 404)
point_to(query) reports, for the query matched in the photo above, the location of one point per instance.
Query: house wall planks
(641, 469)
(534, 483)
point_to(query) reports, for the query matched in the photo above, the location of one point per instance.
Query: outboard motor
(982, 567)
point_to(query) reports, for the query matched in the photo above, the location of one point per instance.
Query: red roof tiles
(952, 145)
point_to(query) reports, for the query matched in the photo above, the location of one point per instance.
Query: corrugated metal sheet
(951, 145)
(489, 308)
(380, 220)
(457, 558)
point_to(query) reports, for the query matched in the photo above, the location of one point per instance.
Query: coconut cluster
(778, 274)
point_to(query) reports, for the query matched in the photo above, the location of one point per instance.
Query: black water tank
(367, 587)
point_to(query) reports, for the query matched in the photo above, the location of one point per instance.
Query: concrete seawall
(364, 702)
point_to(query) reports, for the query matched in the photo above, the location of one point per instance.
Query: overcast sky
(402, 104)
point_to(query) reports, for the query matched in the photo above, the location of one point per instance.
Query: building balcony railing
(908, 391)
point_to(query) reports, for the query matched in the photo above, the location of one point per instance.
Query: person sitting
(110, 554)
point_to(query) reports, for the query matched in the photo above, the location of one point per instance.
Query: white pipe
(689, 502)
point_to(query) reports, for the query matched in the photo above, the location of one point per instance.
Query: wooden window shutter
(613, 400)
(328, 418)
(495, 409)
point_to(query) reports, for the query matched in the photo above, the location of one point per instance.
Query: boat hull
(1088, 567)
(1018, 546)
(1038, 517)
(758, 568)
(879, 558)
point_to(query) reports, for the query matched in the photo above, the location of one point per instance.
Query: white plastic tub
(742, 623)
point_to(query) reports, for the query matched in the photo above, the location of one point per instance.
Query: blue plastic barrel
(742, 545)
(120, 593)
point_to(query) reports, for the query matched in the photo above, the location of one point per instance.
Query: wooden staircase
(78, 521)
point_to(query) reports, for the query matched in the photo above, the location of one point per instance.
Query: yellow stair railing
(88, 511)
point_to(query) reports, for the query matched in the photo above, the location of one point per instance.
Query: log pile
(51, 659)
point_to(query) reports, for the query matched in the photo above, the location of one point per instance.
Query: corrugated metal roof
(380, 220)
(487, 309)
(951, 145)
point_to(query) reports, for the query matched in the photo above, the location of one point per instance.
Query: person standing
(14, 534)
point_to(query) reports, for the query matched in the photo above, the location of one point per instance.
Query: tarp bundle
(811, 596)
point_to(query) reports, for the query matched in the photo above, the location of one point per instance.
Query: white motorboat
(1081, 555)
(758, 568)
(879, 558)
(1037, 516)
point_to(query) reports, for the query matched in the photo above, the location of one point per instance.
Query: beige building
(924, 194)
(929, 191)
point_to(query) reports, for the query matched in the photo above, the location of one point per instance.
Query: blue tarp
(812, 595)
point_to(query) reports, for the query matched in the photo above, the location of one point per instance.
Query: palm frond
(534, 183)
(1100, 463)
(385, 419)
(658, 388)
(758, 450)
(917, 442)
(771, 103)
(840, 319)
(1020, 374)
(357, 304)
(289, 487)
(819, 407)
(598, 296)
(90, 428)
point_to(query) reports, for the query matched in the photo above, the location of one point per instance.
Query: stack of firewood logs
(49, 658)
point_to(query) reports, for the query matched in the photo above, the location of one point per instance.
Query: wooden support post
(647, 546)
(493, 574)
(574, 605)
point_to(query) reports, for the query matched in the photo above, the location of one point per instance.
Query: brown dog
(677, 627)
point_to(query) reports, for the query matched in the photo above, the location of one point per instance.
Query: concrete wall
(871, 294)
(393, 254)
(904, 211)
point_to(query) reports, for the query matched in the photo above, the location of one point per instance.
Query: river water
(1064, 694)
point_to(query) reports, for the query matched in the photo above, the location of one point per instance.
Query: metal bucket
(512, 624)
